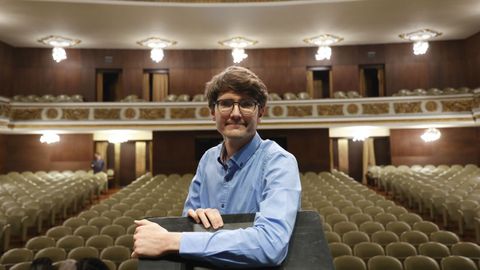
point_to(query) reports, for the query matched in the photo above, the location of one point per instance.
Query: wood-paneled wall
(174, 151)
(456, 146)
(26, 153)
(472, 45)
(284, 69)
(6, 65)
(3, 152)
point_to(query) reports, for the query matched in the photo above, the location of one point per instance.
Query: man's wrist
(174, 245)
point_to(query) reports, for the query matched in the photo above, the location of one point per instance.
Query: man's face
(239, 123)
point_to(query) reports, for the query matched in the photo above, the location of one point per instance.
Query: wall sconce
(157, 45)
(419, 38)
(431, 134)
(323, 42)
(59, 43)
(238, 44)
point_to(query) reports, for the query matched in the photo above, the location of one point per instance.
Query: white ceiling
(120, 24)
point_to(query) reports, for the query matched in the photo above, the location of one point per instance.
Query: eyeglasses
(246, 106)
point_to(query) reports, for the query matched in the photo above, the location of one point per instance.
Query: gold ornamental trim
(52, 113)
(299, 111)
(277, 111)
(457, 105)
(352, 109)
(130, 113)
(326, 110)
(107, 114)
(407, 107)
(75, 114)
(27, 114)
(152, 114)
(476, 101)
(431, 106)
(182, 113)
(204, 112)
(4, 110)
(375, 108)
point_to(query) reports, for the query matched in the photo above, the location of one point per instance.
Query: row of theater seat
(360, 224)
(433, 91)
(451, 194)
(33, 200)
(108, 227)
(48, 98)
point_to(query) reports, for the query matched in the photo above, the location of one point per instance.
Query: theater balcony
(448, 110)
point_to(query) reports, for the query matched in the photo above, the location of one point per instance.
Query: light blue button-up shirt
(261, 178)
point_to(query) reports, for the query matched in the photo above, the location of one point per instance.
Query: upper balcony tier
(399, 111)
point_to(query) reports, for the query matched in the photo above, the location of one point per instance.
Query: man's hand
(209, 217)
(150, 240)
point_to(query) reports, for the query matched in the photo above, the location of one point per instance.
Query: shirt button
(223, 205)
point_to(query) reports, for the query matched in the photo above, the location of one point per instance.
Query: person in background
(243, 174)
(98, 163)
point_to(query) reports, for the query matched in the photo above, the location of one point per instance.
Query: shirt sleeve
(266, 242)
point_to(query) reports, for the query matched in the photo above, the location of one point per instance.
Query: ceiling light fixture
(157, 45)
(49, 137)
(238, 44)
(419, 38)
(431, 134)
(59, 43)
(323, 42)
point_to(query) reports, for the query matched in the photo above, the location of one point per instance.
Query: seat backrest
(130, 264)
(86, 231)
(123, 221)
(332, 237)
(445, 237)
(458, 262)
(366, 250)
(58, 232)
(398, 227)
(339, 249)
(74, 222)
(354, 237)
(99, 241)
(83, 252)
(347, 262)
(426, 227)
(21, 266)
(466, 249)
(385, 218)
(113, 230)
(400, 250)
(434, 250)
(384, 237)
(40, 242)
(414, 237)
(70, 242)
(382, 262)
(420, 262)
(16, 255)
(116, 254)
(125, 240)
(100, 222)
(371, 227)
(54, 253)
(344, 226)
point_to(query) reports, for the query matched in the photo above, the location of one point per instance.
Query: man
(97, 163)
(244, 174)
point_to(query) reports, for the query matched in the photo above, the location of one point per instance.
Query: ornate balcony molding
(461, 109)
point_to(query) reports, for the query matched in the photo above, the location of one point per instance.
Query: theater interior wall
(174, 151)
(6, 66)
(283, 69)
(456, 146)
(26, 153)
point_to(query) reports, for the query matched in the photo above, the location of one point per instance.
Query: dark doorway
(318, 82)
(372, 80)
(108, 85)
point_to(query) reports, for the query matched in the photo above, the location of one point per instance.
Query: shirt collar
(243, 155)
